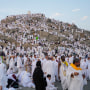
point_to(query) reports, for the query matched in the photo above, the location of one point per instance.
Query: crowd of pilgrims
(40, 70)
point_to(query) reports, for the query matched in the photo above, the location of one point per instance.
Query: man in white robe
(7, 60)
(70, 59)
(25, 58)
(74, 76)
(62, 72)
(88, 71)
(84, 66)
(34, 60)
(19, 64)
(3, 77)
(31, 58)
(44, 63)
(56, 68)
(12, 63)
(50, 69)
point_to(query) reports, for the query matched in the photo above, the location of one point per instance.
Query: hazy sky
(76, 11)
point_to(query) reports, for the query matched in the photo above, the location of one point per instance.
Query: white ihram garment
(75, 83)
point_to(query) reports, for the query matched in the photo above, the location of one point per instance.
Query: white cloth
(70, 60)
(7, 59)
(84, 66)
(44, 65)
(19, 62)
(11, 88)
(25, 80)
(50, 86)
(33, 65)
(75, 83)
(0, 60)
(3, 77)
(56, 69)
(62, 75)
(88, 71)
(12, 64)
(50, 70)
(9, 71)
(25, 59)
(10, 77)
(20, 66)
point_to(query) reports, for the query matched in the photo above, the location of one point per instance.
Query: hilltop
(23, 30)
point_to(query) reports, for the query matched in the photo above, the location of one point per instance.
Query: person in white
(25, 81)
(70, 59)
(12, 81)
(56, 68)
(84, 66)
(62, 72)
(7, 60)
(31, 58)
(33, 64)
(3, 77)
(44, 63)
(12, 63)
(25, 58)
(19, 64)
(88, 71)
(74, 76)
(50, 86)
(50, 69)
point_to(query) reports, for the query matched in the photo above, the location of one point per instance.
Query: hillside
(23, 30)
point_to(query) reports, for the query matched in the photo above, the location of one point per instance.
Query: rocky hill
(23, 29)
